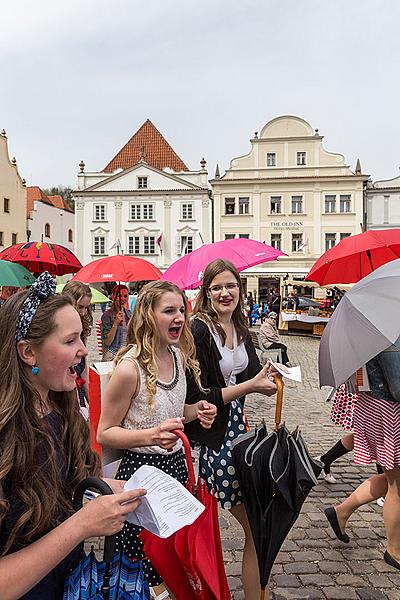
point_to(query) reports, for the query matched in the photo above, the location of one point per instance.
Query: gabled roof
(34, 193)
(149, 145)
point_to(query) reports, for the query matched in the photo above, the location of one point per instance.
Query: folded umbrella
(364, 324)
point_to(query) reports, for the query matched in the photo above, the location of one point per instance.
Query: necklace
(172, 384)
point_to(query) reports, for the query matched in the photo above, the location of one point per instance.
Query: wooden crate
(318, 328)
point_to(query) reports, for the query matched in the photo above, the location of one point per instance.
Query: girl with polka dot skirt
(145, 398)
(230, 369)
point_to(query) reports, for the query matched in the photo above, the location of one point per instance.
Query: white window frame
(135, 212)
(330, 203)
(276, 241)
(134, 244)
(271, 159)
(298, 238)
(100, 240)
(185, 244)
(148, 212)
(301, 158)
(278, 201)
(297, 200)
(101, 209)
(344, 235)
(330, 241)
(142, 182)
(149, 244)
(244, 205)
(187, 211)
(345, 202)
(231, 202)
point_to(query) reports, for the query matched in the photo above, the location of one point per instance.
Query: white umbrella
(366, 322)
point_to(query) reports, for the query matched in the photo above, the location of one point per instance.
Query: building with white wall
(383, 204)
(144, 203)
(291, 193)
(12, 199)
(49, 219)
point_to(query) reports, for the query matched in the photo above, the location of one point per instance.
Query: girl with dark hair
(230, 369)
(114, 323)
(45, 448)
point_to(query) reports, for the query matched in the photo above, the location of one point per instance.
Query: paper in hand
(294, 373)
(168, 505)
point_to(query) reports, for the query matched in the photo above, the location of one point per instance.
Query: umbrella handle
(94, 483)
(279, 401)
(188, 456)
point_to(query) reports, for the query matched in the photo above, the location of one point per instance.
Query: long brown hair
(142, 335)
(78, 290)
(204, 309)
(29, 462)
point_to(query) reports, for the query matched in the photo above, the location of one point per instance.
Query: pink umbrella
(187, 271)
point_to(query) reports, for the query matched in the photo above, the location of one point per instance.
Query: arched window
(70, 236)
(47, 230)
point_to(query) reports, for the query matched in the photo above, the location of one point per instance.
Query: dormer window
(301, 158)
(143, 183)
(271, 159)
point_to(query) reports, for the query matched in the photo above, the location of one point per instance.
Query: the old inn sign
(287, 225)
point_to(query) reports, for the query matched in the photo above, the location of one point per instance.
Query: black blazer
(212, 379)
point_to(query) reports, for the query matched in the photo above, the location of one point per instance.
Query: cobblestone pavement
(313, 563)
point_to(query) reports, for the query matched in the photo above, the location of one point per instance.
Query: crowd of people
(173, 369)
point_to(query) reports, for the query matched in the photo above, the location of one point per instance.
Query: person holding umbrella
(114, 323)
(145, 398)
(230, 369)
(45, 448)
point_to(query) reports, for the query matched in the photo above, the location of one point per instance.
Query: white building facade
(49, 219)
(383, 204)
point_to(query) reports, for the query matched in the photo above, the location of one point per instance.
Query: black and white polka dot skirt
(172, 464)
(217, 467)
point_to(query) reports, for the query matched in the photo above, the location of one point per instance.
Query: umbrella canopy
(187, 271)
(118, 268)
(42, 256)
(97, 297)
(115, 577)
(356, 256)
(191, 561)
(364, 324)
(276, 474)
(14, 275)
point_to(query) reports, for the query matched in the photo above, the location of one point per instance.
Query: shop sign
(284, 225)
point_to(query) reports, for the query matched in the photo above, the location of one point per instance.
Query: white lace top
(169, 402)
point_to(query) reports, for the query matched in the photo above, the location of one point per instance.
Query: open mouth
(71, 371)
(174, 331)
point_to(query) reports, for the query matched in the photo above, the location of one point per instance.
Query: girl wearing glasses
(230, 369)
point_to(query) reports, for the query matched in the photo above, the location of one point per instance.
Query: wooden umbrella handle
(279, 401)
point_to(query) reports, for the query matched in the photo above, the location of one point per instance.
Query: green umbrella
(97, 297)
(14, 275)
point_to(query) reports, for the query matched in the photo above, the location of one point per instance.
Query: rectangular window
(244, 235)
(14, 238)
(229, 236)
(276, 241)
(99, 212)
(1, 238)
(187, 212)
(99, 244)
(136, 212)
(6, 205)
(133, 244)
(271, 159)
(148, 212)
(297, 242)
(330, 204)
(330, 241)
(301, 158)
(244, 204)
(229, 206)
(344, 235)
(186, 244)
(297, 204)
(345, 203)
(142, 183)
(149, 244)
(276, 205)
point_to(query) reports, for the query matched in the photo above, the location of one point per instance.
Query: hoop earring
(35, 370)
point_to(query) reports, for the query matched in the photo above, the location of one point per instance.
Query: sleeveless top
(234, 360)
(169, 402)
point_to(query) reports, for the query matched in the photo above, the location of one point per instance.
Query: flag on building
(158, 242)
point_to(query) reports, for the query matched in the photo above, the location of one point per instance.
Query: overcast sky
(78, 78)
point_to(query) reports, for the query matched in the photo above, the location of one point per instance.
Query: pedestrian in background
(270, 337)
(114, 323)
(45, 448)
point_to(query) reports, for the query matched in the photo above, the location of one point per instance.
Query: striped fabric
(376, 431)
(98, 336)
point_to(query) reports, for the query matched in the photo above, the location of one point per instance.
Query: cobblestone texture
(312, 562)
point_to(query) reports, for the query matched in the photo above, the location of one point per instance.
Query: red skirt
(377, 432)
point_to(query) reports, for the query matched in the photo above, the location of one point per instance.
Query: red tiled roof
(34, 193)
(59, 202)
(148, 144)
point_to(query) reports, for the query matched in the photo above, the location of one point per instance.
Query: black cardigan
(212, 379)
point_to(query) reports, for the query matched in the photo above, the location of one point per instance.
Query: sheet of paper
(294, 373)
(167, 506)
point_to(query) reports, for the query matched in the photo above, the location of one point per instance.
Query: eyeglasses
(230, 287)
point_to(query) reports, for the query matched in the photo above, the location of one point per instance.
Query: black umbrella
(276, 473)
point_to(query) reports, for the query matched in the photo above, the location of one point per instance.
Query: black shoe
(391, 561)
(331, 515)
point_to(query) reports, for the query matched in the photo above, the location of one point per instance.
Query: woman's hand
(162, 435)
(105, 515)
(206, 413)
(119, 317)
(117, 485)
(263, 382)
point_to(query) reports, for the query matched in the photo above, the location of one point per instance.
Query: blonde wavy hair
(142, 335)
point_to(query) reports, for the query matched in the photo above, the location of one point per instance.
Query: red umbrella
(356, 256)
(187, 271)
(37, 257)
(191, 561)
(118, 268)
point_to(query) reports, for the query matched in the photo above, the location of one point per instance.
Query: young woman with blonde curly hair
(145, 398)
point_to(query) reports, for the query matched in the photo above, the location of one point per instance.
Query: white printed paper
(294, 373)
(168, 505)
